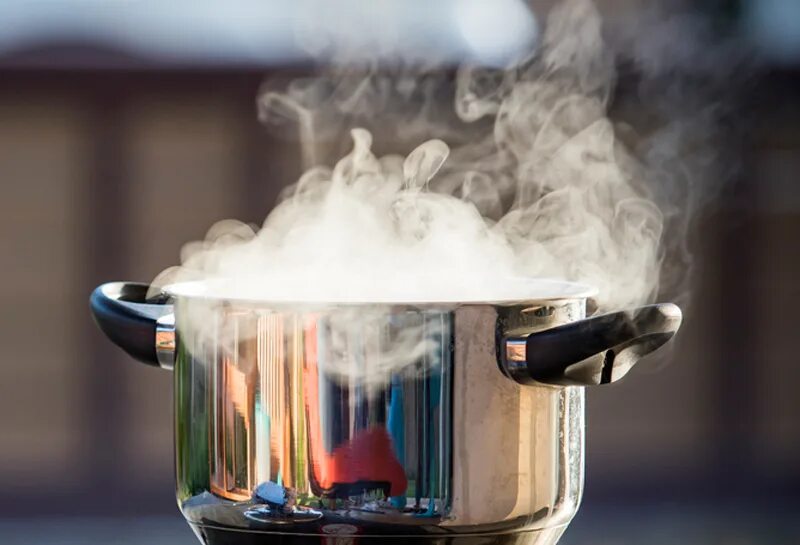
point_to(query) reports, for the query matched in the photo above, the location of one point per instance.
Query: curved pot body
(277, 432)
(436, 423)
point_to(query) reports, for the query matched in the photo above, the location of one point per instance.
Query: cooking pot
(340, 422)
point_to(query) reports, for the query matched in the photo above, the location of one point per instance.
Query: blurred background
(127, 128)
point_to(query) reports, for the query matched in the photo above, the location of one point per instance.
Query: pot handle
(597, 350)
(142, 327)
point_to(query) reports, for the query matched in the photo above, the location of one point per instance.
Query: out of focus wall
(102, 178)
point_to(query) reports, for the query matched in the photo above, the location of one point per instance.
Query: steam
(517, 175)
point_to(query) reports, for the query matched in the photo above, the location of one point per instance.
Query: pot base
(345, 535)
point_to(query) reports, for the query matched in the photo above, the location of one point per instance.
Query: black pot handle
(597, 350)
(142, 327)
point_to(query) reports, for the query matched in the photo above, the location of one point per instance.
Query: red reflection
(363, 462)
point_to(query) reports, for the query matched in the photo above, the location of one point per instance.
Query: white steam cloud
(514, 176)
(542, 188)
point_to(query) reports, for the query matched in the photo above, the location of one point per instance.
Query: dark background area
(109, 162)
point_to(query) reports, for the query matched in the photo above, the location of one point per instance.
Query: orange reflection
(234, 451)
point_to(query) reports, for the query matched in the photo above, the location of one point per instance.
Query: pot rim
(539, 290)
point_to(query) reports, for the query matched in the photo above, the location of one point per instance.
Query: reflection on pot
(293, 426)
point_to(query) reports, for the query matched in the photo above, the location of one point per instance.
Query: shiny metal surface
(165, 341)
(290, 420)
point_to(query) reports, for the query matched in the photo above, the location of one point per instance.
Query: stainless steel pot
(341, 423)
